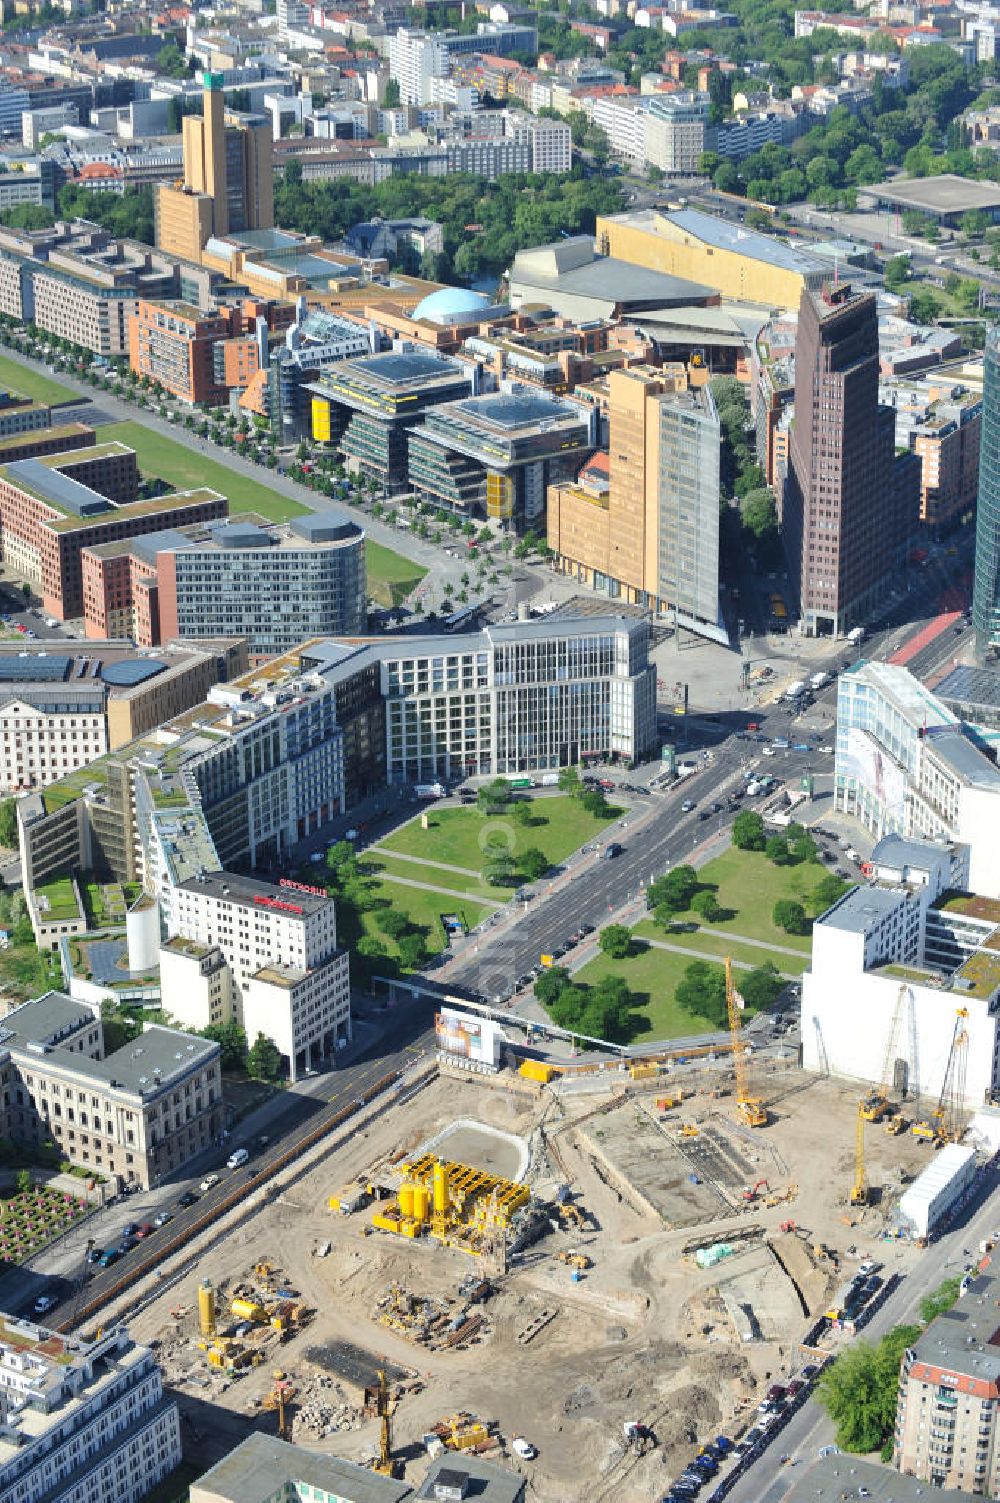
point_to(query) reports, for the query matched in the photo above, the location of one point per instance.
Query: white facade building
(896, 967)
(415, 57)
(675, 131)
(263, 955)
(84, 1422)
(905, 765)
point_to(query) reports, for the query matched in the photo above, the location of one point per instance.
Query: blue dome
(450, 303)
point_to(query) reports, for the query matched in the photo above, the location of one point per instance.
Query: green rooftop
(73, 786)
(175, 501)
(57, 900)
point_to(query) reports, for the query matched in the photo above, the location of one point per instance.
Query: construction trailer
(942, 1186)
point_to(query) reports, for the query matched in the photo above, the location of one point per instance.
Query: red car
(146, 1229)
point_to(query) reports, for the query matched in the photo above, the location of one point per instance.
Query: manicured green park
(557, 826)
(652, 976)
(391, 577)
(394, 865)
(27, 382)
(747, 884)
(424, 910)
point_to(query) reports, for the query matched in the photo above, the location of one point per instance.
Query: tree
(897, 271)
(499, 867)
(702, 992)
(232, 1042)
(776, 849)
(859, 1390)
(942, 1299)
(392, 97)
(412, 951)
(550, 983)
(760, 987)
(804, 848)
(494, 797)
(707, 906)
(593, 800)
(615, 940)
(758, 512)
(392, 922)
(924, 306)
(23, 1181)
(171, 62)
(8, 823)
(264, 1059)
(748, 831)
(674, 890)
(339, 854)
(533, 863)
(569, 780)
(826, 892)
(790, 916)
(522, 812)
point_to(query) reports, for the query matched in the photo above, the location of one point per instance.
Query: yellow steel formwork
(455, 1203)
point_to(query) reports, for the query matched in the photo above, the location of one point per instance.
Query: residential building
(34, 443)
(941, 422)
(419, 59)
(739, 263)
(58, 712)
(52, 508)
(831, 1476)
(986, 586)
(84, 1421)
(651, 538)
(747, 133)
(452, 1479)
(37, 123)
(906, 765)
(946, 1431)
(364, 407)
(675, 131)
(22, 415)
(228, 178)
(185, 350)
(262, 955)
(140, 1113)
(276, 585)
(494, 455)
(263, 1468)
(847, 510)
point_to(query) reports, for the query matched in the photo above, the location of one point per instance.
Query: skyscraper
(986, 589)
(846, 508)
(228, 178)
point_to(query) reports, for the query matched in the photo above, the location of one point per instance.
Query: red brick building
(198, 356)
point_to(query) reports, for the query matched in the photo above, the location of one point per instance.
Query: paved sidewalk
(738, 965)
(737, 939)
(446, 892)
(443, 866)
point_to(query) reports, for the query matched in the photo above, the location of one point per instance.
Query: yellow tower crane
(751, 1109)
(387, 1464)
(949, 1107)
(877, 1103)
(859, 1190)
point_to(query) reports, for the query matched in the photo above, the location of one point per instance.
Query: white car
(208, 1183)
(827, 751)
(767, 751)
(523, 1448)
(45, 1303)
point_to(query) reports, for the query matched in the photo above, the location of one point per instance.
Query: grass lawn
(184, 466)
(61, 899)
(748, 884)
(461, 836)
(392, 866)
(391, 577)
(25, 972)
(705, 943)
(424, 910)
(652, 975)
(31, 383)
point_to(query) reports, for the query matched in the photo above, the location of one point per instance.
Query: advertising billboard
(467, 1036)
(864, 761)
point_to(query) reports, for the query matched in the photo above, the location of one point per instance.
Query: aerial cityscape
(499, 733)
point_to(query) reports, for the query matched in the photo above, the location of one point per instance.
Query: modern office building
(228, 178)
(906, 765)
(276, 585)
(675, 130)
(847, 510)
(263, 1469)
(893, 962)
(174, 344)
(262, 955)
(53, 507)
(652, 536)
(140, 1113)
(947, 1432)
(60, 711)
(495, 455)
(84, 1421)
(739, 263)
(940, 421)
(986, 588)
(365, 407)
(273, 756)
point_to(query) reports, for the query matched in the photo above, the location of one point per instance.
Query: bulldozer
(689, 1130)
(573, 1259)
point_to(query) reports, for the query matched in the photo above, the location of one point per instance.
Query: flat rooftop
(862, 907)
(946, 194)
(904, 689)
(720, 234)
(979, 688)
(964, 1340)
(846, 1479)
(971, 904)
(247, 892)
(263, 1468)
(953, 747)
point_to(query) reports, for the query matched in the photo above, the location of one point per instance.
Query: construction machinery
(573, 1259)
(859, 1189)
(280, 1398)
(752, 1191)
(750, 1109)
(878, 1104)
(386, 1464)
(945, 1122)
(689, 1130)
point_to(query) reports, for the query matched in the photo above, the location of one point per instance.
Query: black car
(716, 808)
(189, 1198)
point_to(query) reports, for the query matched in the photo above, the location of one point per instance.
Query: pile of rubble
(435, 1323)
(322, 1408)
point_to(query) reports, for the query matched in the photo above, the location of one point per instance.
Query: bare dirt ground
(644, 1334)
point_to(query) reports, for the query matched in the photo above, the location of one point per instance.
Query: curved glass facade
(986, 590)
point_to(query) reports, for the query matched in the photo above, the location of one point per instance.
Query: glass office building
(986, 589)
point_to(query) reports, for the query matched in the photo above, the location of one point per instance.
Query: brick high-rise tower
(846, 506)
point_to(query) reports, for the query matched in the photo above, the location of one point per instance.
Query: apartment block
(53, 507)
(946, 1431)
(83, 1421)
(59, 712)
(675, 131)
(652, 537)
(262, 954)
(140, 1113)
(940, 421)
(174, 344)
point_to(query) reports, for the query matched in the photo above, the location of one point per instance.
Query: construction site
(602, 1270)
